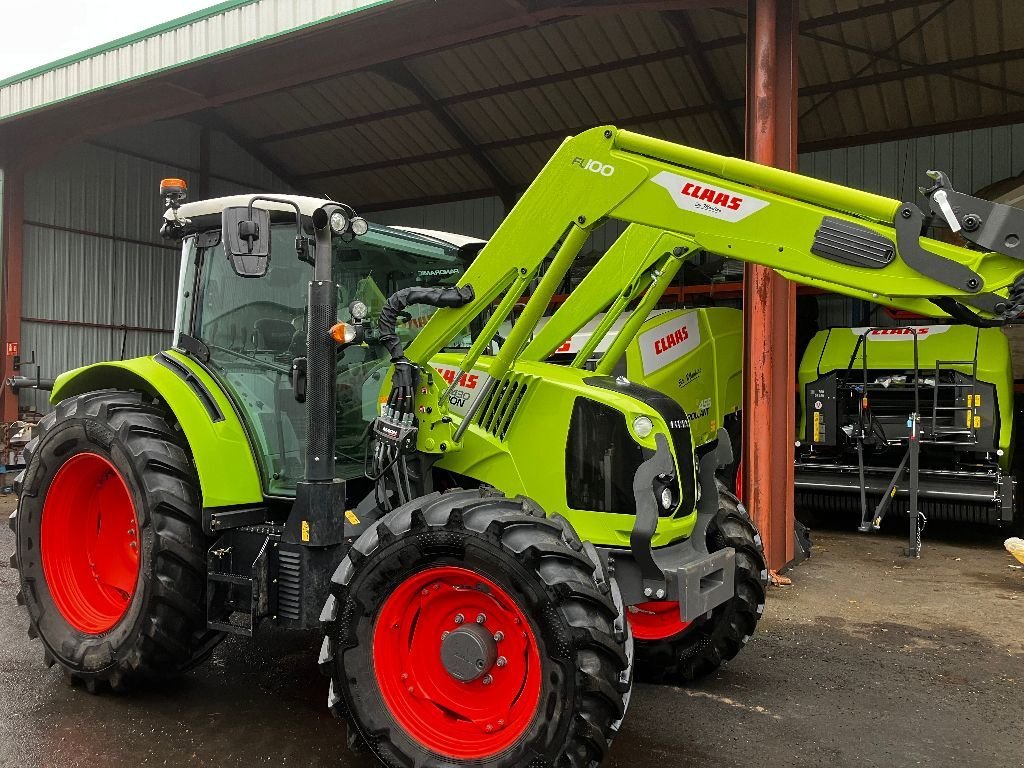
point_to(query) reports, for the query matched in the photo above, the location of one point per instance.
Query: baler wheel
(110, 548)
(669, 650)
(467, 628)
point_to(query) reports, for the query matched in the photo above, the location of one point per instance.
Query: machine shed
(438, 113)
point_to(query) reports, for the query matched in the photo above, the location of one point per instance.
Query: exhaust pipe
(18, 383)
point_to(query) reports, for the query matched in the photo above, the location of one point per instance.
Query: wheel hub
(89, 542)
(469, 652)
(457, 662)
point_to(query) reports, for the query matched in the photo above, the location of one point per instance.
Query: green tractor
(474, 569)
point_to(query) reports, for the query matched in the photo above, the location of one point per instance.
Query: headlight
(339, 222)
(359, 226)
(666, 498)
(643, 426)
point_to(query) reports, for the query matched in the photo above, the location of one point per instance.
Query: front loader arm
(812, 231)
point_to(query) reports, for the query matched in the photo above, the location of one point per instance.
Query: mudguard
(228, 474)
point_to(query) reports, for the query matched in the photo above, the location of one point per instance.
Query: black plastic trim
(850, 243)
(193, 382)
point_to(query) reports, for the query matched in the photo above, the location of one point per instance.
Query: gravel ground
(869, 659)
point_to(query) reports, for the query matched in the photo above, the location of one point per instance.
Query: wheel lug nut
(459, 618)
(425, 592)
(411, 689)
(501, 723)
(445, 634)
(480, 618)
(405, 675)
(501, 661)
(499, 636)
(489, 728)
(487, 680)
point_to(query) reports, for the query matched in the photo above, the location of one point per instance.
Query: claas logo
(899, 331)
(713, 196)
(467, 380)
(665, 343)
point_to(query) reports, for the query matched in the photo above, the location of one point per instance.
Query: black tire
(163, 630)
(557, 583)
(710, 641)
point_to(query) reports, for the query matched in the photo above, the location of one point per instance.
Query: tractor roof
(452, 238)
(216, 205)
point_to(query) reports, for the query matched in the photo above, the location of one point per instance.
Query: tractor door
(255, 327)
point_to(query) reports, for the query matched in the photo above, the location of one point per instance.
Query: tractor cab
(252, 329)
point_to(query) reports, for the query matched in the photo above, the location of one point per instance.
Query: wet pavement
(868, 660)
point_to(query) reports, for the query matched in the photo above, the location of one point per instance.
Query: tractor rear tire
(110, 547)
(548, 672)
(700, 647)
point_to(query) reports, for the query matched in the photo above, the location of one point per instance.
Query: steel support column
(769, 301)
(13, 233)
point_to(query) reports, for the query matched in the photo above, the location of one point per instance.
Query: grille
(502, 403)
(289, 584)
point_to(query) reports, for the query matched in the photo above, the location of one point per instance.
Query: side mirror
(246, 235)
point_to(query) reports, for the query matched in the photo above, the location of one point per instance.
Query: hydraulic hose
(432, 297)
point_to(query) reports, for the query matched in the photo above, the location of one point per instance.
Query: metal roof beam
(888, 56)
(402, 76)
(485, 93)
(922, 70)
(681, 23)
(209, 119)
(874, 61)
(573, 74)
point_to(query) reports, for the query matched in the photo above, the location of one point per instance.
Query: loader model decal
(594, 166)
(465, 391)
(700, 197)
(668, 342)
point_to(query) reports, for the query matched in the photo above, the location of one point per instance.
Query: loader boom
(813, 232)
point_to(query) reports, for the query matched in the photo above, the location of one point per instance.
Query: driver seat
(274, 334)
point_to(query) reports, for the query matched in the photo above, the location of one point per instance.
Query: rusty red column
(13, 228)
(769, 301)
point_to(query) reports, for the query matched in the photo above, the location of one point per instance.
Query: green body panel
(531, 458)
(221, 450)
(703, 371)
(831, 350)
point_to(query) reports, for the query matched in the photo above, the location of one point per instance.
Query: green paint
(676, 198)
(531, 459)
(221, 451)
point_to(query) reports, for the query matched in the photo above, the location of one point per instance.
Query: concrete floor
(868, 660)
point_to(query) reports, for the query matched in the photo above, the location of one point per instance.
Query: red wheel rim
(89, 542)
(463, 720)
(656, 621)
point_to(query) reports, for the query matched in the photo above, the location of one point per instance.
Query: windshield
(256, 327)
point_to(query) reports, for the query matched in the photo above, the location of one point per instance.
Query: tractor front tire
(110, 548)
(467, 628)
(668, 650)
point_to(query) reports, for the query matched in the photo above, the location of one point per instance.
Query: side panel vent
(289, 584)
(501, 405)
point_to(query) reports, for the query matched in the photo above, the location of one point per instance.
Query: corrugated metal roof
(480, 113)
(867, 66)
(211, 32)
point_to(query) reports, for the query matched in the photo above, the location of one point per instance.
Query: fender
(215, 444)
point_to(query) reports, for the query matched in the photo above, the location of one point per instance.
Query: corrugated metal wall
(973, 160)
(96, 273)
